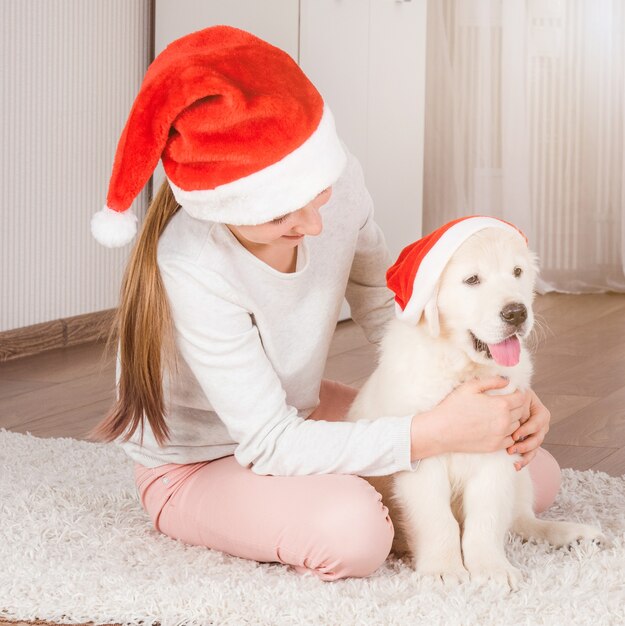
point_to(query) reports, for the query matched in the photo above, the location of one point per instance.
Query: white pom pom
(112, 228)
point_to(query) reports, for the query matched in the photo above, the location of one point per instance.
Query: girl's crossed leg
(333, 525)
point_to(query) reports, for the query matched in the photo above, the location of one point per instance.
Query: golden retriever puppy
(466, 315)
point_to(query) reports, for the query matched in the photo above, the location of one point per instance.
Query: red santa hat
(243, 135)
(414, 276)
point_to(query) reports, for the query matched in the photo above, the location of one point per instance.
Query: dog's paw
(503, 574)
(595, 538)
(560, 534)
(455, 577)
(449, 575)
(569, 534)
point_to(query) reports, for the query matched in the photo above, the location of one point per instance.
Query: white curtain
(525, 121)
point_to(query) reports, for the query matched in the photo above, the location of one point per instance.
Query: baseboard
(70, 331)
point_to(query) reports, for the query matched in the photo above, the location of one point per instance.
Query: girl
(228, 308)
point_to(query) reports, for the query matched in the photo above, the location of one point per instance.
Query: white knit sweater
(252, 345)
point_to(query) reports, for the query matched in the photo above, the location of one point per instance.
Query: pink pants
(333, 525)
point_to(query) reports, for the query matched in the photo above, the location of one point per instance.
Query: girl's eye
(279, 220)
(472, 280)
(517, 272)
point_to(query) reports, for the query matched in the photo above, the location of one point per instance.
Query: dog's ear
(430, 313)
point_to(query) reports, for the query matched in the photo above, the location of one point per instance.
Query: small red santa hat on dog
(243, 135)
(415, 275)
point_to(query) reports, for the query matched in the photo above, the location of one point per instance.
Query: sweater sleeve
(370, 300)
(219, 341)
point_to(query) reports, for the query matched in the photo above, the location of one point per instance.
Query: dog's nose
(515, 313)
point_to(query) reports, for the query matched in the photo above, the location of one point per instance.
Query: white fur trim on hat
(435, 261)
(280, 188)
(113, 229)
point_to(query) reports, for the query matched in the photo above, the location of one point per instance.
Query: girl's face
(288, 230)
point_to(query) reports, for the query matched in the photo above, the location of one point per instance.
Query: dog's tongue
(506, 352)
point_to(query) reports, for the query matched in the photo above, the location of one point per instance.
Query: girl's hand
(469, 420)
(534, 426)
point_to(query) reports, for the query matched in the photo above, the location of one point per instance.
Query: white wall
(275, 21)
(367, 58)
(71, 69)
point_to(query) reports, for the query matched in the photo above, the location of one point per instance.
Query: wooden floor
(579, 374)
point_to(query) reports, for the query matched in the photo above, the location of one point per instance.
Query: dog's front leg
(488, 503)
(431, 530)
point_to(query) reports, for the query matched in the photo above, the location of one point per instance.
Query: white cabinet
(367, 57)
(275, 21)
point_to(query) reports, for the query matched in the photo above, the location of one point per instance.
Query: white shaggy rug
(75, 546)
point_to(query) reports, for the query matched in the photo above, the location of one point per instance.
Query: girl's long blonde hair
(143, 326)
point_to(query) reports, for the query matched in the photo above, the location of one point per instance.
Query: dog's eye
(517, 272)
(472, 280)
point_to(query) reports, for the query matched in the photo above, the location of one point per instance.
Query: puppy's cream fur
(454, 510)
